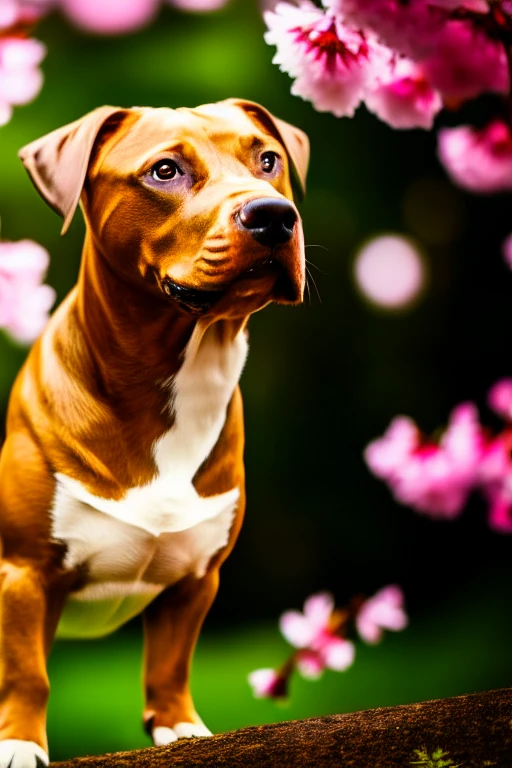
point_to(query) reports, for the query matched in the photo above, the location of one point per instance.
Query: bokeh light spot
(115, 17)
(389, 271)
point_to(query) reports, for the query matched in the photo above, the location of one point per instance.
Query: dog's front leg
(28, 620)
(171, 627)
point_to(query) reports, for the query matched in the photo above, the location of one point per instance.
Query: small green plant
(438, 759)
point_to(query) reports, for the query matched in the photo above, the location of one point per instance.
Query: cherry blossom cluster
(320, 636)
(436, 477)
(405, 60)
(114, 17)
(24, 301)
(118, 17)
(20, 55)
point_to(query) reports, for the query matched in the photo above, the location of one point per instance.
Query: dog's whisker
(316, 245)
(308, 291)
(311, 264)
(308, 272)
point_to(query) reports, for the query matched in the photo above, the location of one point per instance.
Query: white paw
(15, 753)
(163, 735)
(189, 730)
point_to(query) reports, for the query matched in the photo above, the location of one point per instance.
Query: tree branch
(474, 730)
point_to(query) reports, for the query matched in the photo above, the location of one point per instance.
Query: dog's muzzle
(271, 222)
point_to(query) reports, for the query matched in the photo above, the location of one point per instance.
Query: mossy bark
(474, 730)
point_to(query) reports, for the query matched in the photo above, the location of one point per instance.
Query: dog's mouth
(198, 301)
(284, 289)
(194, 300)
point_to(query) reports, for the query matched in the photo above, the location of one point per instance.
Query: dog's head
(193, 204)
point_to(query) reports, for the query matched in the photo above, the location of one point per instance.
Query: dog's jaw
(266, 281)
(196, 301)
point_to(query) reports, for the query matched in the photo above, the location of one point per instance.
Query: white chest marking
(159, 532)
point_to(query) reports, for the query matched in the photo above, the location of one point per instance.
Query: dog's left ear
(293, 139)
(57, 163)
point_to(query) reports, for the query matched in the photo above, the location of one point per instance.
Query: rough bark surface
(474, 730)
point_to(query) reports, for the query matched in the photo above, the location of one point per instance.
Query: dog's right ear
(293, 139)
(57, 163)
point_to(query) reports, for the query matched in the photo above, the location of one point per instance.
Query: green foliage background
(321, 381)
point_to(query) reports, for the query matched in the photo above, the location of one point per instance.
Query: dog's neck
(132, 333)
(128, 348)
(135, 338)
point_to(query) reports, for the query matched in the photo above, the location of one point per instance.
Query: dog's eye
(165, 170)
(268, 161)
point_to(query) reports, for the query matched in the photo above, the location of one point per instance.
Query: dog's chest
(132, 548)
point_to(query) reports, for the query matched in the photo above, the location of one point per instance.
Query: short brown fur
(76, 406)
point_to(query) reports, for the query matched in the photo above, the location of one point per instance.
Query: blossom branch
(405, 60)
(436, 477)
(20, 55)
(320, 636)
(24, 300)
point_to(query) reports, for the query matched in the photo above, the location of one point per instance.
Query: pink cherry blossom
(301, 629)
(385, 610)
(24, 302)
(5, 113)
(463, 442)
(336, 656)
(331, 63)
(506, 250)
(500, 509)
(408, 28)
(433, 479)
(495, 476)
(115, 17)
(9, 14)
(466, 62)
(500, 398)
(312, 632)
(20, 78)
(394, 448)
(309, 664)
(478, 160)
(14, 12)
(403, 97)
(267, 683)
(476, 6)
(437, 478)
(446, 474)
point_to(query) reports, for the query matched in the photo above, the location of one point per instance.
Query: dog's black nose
(270, 220)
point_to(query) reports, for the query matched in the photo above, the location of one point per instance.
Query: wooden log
(472, 731)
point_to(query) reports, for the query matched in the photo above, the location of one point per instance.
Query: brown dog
(122, 479)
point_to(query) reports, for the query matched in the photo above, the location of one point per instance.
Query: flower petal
(296, 629)
(478, 160)
(338, 654)
(310, 664)
(385, 610)
(267, 683)
(318, 609)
